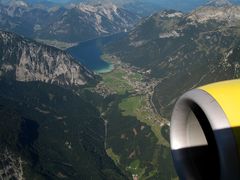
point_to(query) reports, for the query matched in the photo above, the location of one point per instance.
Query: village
(134, 81)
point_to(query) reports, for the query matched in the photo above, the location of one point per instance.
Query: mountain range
(55, 128)
(71, 23)
(47, 131)
(54, 123)
(26, 60)
(48, 21)
(147, 7)
(184, 50)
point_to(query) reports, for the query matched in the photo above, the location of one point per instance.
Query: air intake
(204, 136)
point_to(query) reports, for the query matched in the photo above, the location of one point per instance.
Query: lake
(89, 53)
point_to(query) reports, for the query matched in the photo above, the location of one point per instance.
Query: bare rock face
(25, 60)
(219, 3)
(229, 14)
(71, 23)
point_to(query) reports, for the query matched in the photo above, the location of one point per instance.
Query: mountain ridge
(184, 50)
(70, 23)
(218, 3)
(26, 60)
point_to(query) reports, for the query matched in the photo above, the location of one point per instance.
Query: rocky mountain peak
(72, 23)
(25, 60)
(170, 14)
(14, 3)
(218, 3)
(103, 9)
(19, 3)
(228, 14)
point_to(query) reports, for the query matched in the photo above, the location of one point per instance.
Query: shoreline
(105, 70)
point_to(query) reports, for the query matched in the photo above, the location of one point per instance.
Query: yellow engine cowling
(205, 132)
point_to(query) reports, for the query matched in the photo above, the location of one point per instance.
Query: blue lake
(89, 53)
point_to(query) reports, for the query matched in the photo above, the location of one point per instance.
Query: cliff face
(25, 60)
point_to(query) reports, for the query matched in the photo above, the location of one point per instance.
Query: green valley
(136, 136)
(90, 96)
(183, 50)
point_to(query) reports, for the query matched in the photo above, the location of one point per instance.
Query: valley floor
(136, 90)
(128, 79)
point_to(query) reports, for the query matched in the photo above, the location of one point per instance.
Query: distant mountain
(48, 1)
(219, 3)
(147, 7)
(184, 50)
(26, 60)
(186, 5)
(140, 7)
(71, 23)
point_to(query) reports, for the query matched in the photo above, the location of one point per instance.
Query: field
(116, 81)
(137, 106)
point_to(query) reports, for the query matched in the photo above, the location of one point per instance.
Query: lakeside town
(140, 84)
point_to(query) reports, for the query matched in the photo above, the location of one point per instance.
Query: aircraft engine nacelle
(205, 132)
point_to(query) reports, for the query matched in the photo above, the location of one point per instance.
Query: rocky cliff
(26, 60)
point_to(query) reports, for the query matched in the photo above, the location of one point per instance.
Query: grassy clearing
(135, 168)
(136, 106)
(131, 105)
(120, 79)
(116, 81)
